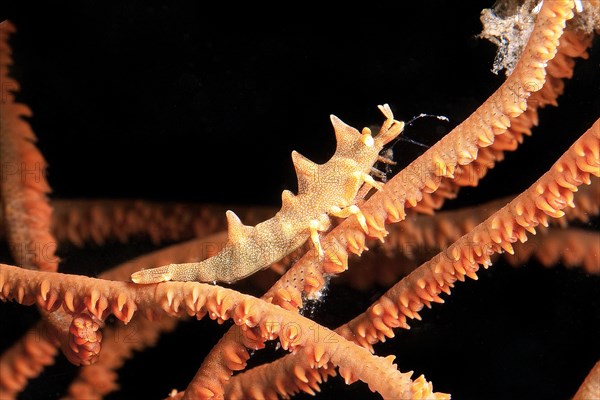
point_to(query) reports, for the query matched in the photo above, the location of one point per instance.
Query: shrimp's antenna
(409, 123)
(386, 158)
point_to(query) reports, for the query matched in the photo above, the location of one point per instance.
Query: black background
(176, 102)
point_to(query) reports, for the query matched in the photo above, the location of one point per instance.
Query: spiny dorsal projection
(323, 190)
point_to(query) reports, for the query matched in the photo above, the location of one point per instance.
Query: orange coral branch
(98, 221)
(26, 360)
(547, 197)
(23, 186)
(571, 247)
(23, 190)
(80, 221)
(571, 45)
(262, 320)
(445, 227)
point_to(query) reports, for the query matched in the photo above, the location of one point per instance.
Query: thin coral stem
(443, 228)
(81, 221)
(97, 221)
(23, 186)
(572, 247)
(545, 198)
(261, 320)
(573, 44)
(27, 217)
(26, 360)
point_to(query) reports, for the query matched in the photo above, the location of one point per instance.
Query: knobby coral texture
(147, 113)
